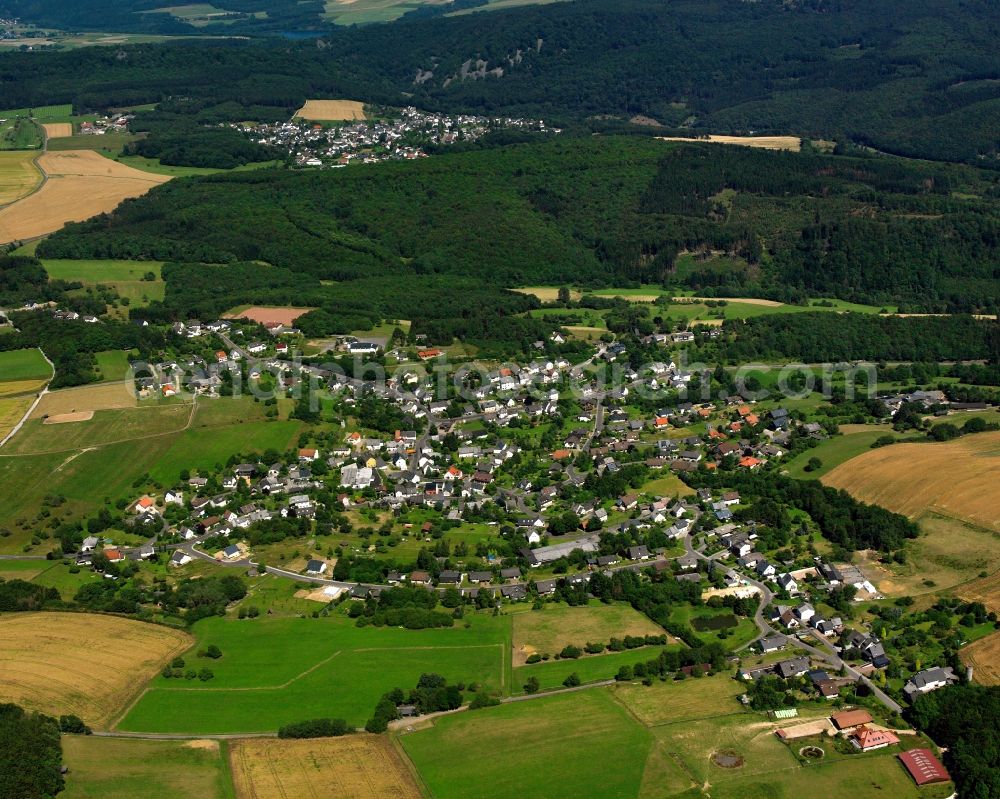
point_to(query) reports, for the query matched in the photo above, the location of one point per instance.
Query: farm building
(924, 767)
(850, 718)
(868, 739)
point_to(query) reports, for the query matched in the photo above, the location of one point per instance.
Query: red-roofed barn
(924, 767)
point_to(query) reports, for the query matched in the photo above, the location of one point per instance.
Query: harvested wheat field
(331, 110)
(985, 590)
(353, 767)
(78, 663)
(265, 315)
(18, 175)
(81, 184)
(58, 130)
(15, 388)
(12, 409)
(957, 478)
(548, 293)
(984, 657)
(101, 397)
(792, 143)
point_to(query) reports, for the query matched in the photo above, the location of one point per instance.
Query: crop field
(109, 145)
(549, 293)
(548, 631)
(553, 746)
(352, 767)
(18, 175)
(86, 398)
(103, 427)
(278, 670)
(955, 478)
(984, 657)
(23, 365)
(331, 110)
(682, 700)
(985, 590)
(791, 143)
(264, 314)
(121, 768)
(12, 410)
(81, 184)
(58, 130)
(79, 663)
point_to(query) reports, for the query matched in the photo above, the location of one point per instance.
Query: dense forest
(965, 720)
(914, 77)
(582, 210)
(30, 754)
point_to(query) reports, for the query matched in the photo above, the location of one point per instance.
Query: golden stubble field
(791, 143)
(18, 175)
(86, 398)
(81, 184)
(58, 130)
(956, 478)
(331, 110)
(984, 657)
(353, 767)
(88, 665)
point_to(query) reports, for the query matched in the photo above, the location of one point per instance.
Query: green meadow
(589, 668)
(278, 670)
(23, 365)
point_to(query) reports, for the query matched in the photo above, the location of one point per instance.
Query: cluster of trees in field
(409, 607)
(965, 720)
(30, 753)
(915, 78)
(451, 230)
(71, 344)
(20, 595)
(822, 337)
(190, 599)
(432, 694)
(315, 728)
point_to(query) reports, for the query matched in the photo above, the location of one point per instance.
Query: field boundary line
(422, 786)
(27, 415)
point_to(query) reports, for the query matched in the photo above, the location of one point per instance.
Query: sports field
(18, 175)
(956, 478)
(279, 670)
(548, 630)
(352, 767)
(120, 768)
(331, 110)
(81, 184)
(80, 663)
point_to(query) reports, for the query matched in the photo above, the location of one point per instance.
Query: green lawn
(581, 744)
(109, 768)
(278, 670)
(23, 365)
(112, 365)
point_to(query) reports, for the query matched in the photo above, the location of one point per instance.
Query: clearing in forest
(791, 143)
(331, 110)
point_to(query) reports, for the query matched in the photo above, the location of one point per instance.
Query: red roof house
(867, 738)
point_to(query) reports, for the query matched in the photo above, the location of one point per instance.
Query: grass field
(331, 110)
(79, 663)
(956, 478)
(81, 184)
(112, 365)
(110, 768)
(352, 767)
(549, 630)
(126, 277)
(109, 144)
(836, 450)
(667, 485)
(984, 657)
(18, 175)
(105, 426)
(278, 670)
(86, 398)
(682, 700)
(581, 744)
(590, 668)
(23, 365)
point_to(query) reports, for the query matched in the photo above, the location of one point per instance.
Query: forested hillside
(590, 211)
(915, 77)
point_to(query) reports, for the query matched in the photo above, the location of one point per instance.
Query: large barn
(924, 767)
